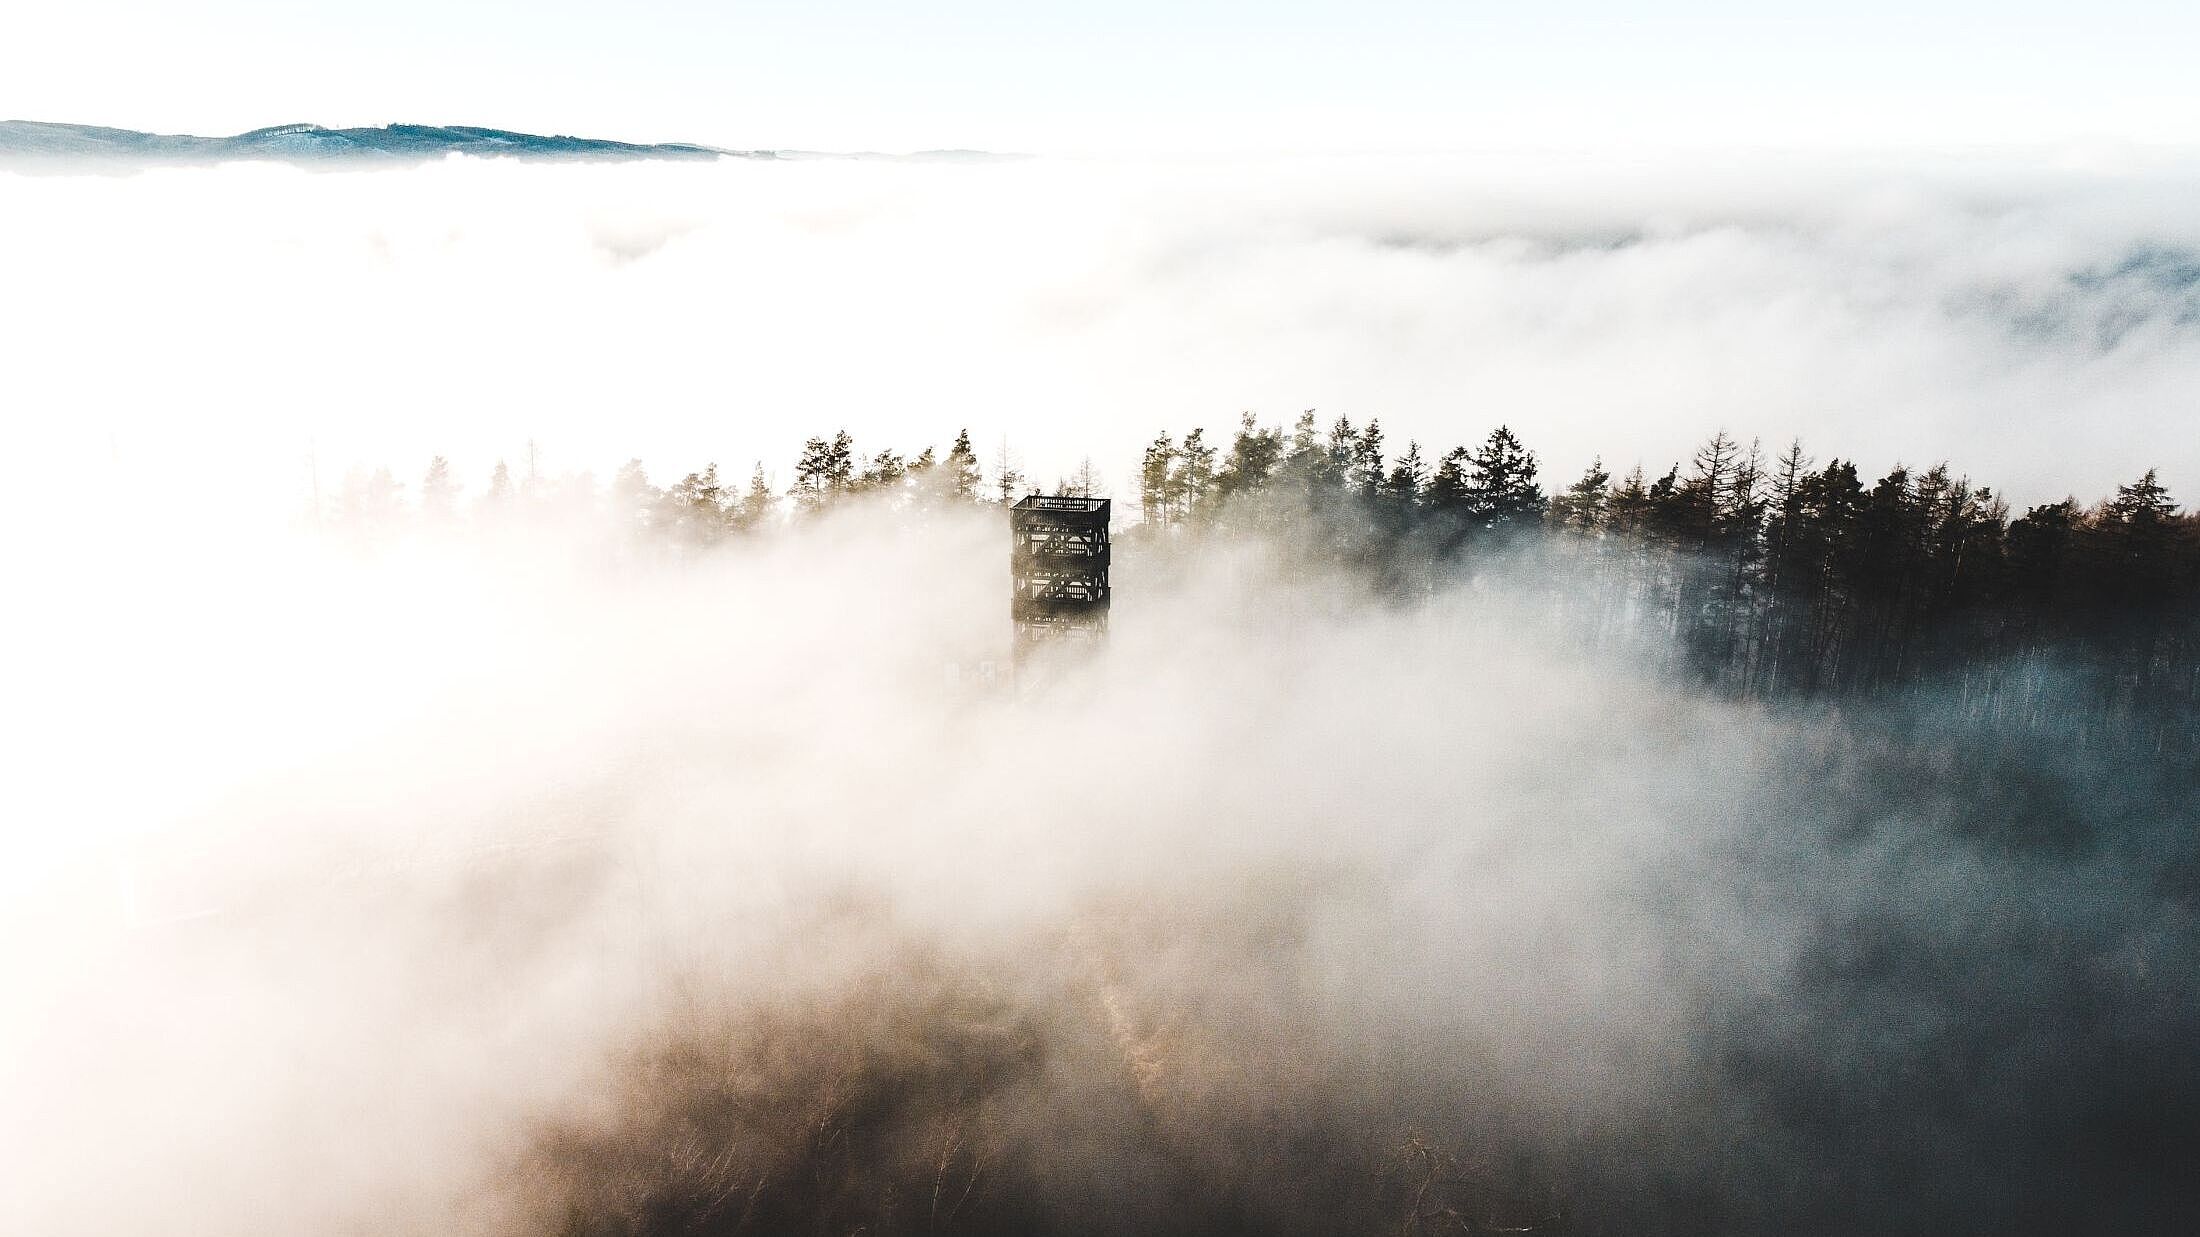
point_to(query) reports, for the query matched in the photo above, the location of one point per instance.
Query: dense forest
(1757, 575)
(1901, 943)
(1763, 576)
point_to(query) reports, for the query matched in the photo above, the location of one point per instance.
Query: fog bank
(250, 327)
(525, 891)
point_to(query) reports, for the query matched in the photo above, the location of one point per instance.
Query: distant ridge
(38, 141)
(42, 144)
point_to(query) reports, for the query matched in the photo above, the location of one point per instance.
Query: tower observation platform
(1058, 560)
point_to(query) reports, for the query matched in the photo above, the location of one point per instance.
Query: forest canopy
(1757, 574)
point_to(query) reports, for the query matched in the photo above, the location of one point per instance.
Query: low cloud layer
(2034, 325)
(509, 893)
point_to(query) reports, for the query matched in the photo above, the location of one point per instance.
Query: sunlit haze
(1122, 620)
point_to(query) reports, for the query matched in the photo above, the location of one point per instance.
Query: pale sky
(1169, 75)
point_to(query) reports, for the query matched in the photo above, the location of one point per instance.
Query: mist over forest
(2034, 320)
(1696, 731)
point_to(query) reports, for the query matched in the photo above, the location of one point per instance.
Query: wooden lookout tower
(1059, 564)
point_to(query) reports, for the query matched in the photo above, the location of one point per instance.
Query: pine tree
(1629, 510)
(1715, 467)
(1309, 465)
(2041, 546)
(1366, 473)
(825, 471)
(965, 480)
(1501, 486)
(695, 507)
(380, 499)
(1084, 483)
(1156, 502)
(1254, 455)
(1583, 506)
(498, 500)
(633, 498)
(438, 492)
(1344, 449)
(1008, 479)
(1786, 513)
(2134, 533)
(1193, 483)
(1402, 488)
(884, 472)
(1447, 488)
(1744, 512)
(926, 479)
(759, 503)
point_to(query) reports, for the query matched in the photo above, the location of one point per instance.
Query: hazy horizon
(1215, 75)
(2034, 327)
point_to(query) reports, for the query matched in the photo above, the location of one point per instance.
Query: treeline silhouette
(1760, 576)
(1763, 576)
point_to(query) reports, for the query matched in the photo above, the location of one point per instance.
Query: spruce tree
(1403, 486)
(1501, 486)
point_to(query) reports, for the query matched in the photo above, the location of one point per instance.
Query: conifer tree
(695, 508)
(2135, 532)
(1403, 486)
(825, 471)
(965, 480)
(633, 498)
(1366, 473)
(1447, 488)
(1629, 510)
(438, 492)
(1583, 506)
(1254, 454)
(497, 501)
(884, 472)
(1084, 483)
(759, 503)
(1008, 478)
(1194, 480)
(1785, 519)
(1344, 449)
(1308, 466)
(1156, 501)
(1501, 486)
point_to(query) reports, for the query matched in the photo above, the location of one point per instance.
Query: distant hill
(38, 142)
